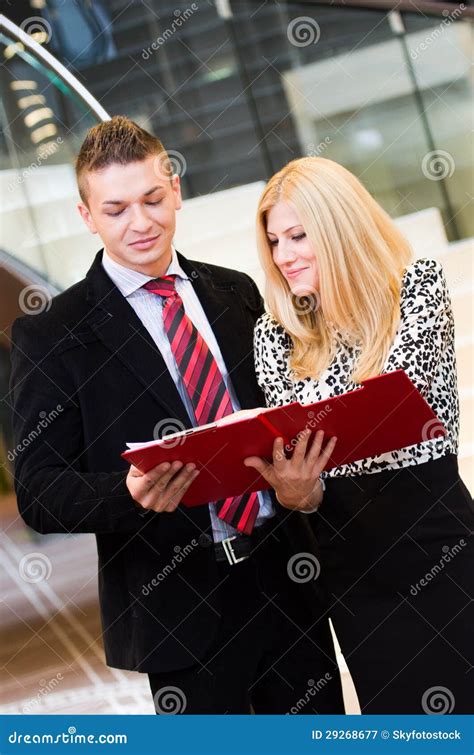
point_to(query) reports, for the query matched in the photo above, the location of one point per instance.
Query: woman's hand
(296, 481)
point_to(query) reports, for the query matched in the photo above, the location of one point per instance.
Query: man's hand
(296, 480)
(161, 488)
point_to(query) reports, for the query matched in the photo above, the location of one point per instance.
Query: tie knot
(164, 286)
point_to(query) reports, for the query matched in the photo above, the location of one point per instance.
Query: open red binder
(386, 413)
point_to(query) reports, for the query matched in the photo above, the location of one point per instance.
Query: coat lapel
(117, 325)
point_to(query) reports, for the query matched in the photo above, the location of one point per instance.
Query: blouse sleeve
(426, 324)
(272, 347)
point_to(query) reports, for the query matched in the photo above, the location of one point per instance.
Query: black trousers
(270, 654)
(398, 570)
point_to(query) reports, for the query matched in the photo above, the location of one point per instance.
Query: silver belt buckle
(229, 551)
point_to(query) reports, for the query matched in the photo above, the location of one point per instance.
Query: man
(207, 604)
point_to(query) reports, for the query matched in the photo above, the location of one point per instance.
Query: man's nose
(140, 220)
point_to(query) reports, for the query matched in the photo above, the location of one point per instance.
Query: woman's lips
(294, 273)
(144, 243)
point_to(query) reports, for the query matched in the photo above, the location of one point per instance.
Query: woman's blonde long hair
(360, 255)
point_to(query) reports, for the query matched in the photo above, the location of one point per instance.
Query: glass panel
(439, 55)
(240, 96)
(43, 123)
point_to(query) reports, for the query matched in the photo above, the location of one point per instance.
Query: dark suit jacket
(90, 373)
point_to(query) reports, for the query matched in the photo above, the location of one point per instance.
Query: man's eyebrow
(150, 191)
(288, 229)
(122, 201)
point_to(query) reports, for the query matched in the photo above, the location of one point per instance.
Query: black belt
(239, 547)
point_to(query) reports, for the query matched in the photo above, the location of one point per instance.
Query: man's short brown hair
(119, 140)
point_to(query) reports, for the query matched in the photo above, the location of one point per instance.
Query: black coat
(88, 371)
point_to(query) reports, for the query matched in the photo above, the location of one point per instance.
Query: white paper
(234, 417)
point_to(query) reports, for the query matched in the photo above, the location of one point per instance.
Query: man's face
(133, 209)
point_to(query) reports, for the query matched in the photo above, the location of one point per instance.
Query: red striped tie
(205, 386)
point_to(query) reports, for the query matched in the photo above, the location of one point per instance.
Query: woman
(345, 303)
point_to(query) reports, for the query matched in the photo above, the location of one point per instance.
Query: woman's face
(292, 251)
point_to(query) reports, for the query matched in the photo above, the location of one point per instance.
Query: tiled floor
(52, 655)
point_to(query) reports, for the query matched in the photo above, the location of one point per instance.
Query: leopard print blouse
(423, 346)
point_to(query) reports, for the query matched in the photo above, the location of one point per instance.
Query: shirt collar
(128, 280)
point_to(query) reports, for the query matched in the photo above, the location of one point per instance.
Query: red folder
(385, 414)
